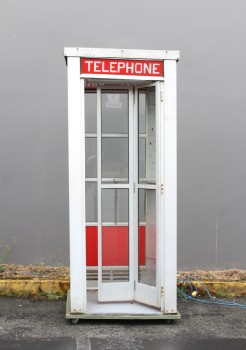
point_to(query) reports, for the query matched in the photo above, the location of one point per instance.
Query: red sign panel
(105, 66)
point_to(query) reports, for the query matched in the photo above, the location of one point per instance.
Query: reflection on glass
(115, 235)
(115, 111)
(114, 205)
(147, 131)
(91, 112)
(142, 111)
(147, 237)
(115, 159)
(142, 159)
(91, 201)
(91, 157)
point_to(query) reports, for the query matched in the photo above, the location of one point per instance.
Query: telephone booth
(122, 183)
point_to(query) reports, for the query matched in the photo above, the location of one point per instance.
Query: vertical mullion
(158, 186)
(83, 213)
(131, 180)
(99, 189)
(147, 136)
(162, 197)
(135, 175)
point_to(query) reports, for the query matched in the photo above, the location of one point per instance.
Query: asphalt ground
(33, 325)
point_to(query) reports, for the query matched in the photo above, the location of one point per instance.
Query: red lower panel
(141, 245)
(91, 246)
(115, 246)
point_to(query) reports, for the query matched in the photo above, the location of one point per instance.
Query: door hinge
(162, 291)
(134, 97)
(162, 96)
(162, 188)
(134, 285)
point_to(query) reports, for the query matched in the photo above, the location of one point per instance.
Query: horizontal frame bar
(121, 77)
(147, 187)
(121, 53)
(112, 223)
(94, 135)
(115, 180)
(115, 186)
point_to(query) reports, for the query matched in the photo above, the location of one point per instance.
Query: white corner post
(76, 152)
(170, 188)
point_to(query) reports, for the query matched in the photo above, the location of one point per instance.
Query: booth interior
(109, 106)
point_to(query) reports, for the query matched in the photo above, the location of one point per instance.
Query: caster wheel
(74, 320)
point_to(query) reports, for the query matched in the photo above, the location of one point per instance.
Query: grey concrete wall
(211, 118)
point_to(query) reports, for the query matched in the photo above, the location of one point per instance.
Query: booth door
(115, 193)
(147, 195)
(128, 200)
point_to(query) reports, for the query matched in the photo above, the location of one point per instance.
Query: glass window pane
(91, 201)
(147, 122)
(91, 157)
(115, 159)
(115, 236)
(115, 112)
(142, 111)
(91, 112)
(114, 205)
(142, 160)
(147, 237)
(142, 207)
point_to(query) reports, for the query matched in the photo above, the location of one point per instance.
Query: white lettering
(140, 69)
(129, 67)
(104, 70)
(113, 67)
(97, 65)
(147, 68)
(89, 65)
(155, 68)
(121, 65)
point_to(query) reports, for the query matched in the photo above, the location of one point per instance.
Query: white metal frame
(167, 173)
(121, 53)
(169, 181)
(76, 149)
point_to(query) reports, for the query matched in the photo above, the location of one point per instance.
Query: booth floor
(116, 310)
